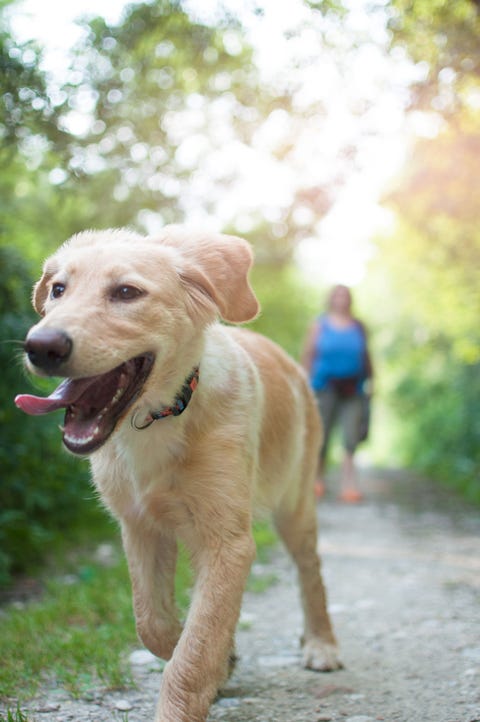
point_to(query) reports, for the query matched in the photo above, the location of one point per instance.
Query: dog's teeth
(72, 439)
(80, 439)
(118, 395)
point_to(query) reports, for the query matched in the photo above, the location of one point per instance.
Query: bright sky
(342, 244)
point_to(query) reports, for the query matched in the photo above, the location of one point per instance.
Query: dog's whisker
(15, 341)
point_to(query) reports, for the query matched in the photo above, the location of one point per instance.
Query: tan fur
(248, 441)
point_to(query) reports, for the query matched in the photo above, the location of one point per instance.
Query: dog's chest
(141, 483)
(148, 501)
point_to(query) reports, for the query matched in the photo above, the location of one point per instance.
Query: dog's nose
(48, 348)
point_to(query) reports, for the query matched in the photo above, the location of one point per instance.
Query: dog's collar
(180, 403)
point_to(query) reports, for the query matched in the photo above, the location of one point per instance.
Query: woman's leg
(351, 416)
(328, 408)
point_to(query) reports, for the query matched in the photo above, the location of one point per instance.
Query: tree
(438, 206)
(433, 256)
(161, 96)
(168, 116)
(31, 144)
(442, 36)
(437, 200)
(42, 491)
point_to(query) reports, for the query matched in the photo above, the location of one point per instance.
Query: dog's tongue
(64, 395)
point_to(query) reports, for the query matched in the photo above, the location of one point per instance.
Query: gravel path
(403, 576)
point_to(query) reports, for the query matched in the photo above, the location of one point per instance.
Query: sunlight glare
(347, 100)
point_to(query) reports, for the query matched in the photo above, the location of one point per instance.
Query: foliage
(432, 261)
(443, 36)
(161, 113)
(435, 397)
(26, 110)
(439, 253)
(152, 94)
(14, 716)
(147, 128)
(288, 306)
(32, 146)
(431, 343)
(43, 490)
(75, 634)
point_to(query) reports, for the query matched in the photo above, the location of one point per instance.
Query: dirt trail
(403, 577)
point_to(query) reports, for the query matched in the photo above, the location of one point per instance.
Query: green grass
(265, 539)
(258, 583)
(14, 716)
(74, 636)
(78, 634)
(260, 580)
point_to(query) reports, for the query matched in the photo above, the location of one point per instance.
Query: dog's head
(118, 309)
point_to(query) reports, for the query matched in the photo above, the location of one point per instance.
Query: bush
(437, 397)
(43, 490)
(288, 306)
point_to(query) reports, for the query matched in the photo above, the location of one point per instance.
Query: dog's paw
(320, 656)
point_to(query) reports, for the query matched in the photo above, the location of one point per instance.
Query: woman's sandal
(319, 489)
(351, 496)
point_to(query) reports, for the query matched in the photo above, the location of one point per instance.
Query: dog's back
(290, 432)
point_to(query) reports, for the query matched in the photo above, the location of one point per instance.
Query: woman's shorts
(347, 412)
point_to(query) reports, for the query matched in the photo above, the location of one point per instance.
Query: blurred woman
(337, 360)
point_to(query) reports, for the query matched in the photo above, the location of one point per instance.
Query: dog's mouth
(93, 405)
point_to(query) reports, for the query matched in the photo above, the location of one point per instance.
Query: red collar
(180, 403)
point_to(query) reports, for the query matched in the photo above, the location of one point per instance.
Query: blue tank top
(339, 353)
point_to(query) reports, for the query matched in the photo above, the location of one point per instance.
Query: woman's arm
(309, 347)
(368, 385)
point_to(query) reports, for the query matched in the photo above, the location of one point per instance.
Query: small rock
(277, 660)
(472, 654)
(123, 705)
(330, 689)
(365, 604)
(141, 657)
(48, 707)
(228, 702)
(106, 555)
(68, 580)
(338, 608)
(324, 718)
(360, 718)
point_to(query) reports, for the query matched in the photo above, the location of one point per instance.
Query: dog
(192, 426)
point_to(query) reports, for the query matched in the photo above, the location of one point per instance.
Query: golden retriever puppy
(191, 427)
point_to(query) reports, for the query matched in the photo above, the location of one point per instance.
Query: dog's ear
(40, 290)
(216, 266)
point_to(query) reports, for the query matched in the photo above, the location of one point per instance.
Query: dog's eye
(58, 289)
(125, 293)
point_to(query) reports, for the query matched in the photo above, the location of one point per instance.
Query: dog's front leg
(152, 559)
(199, 665)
